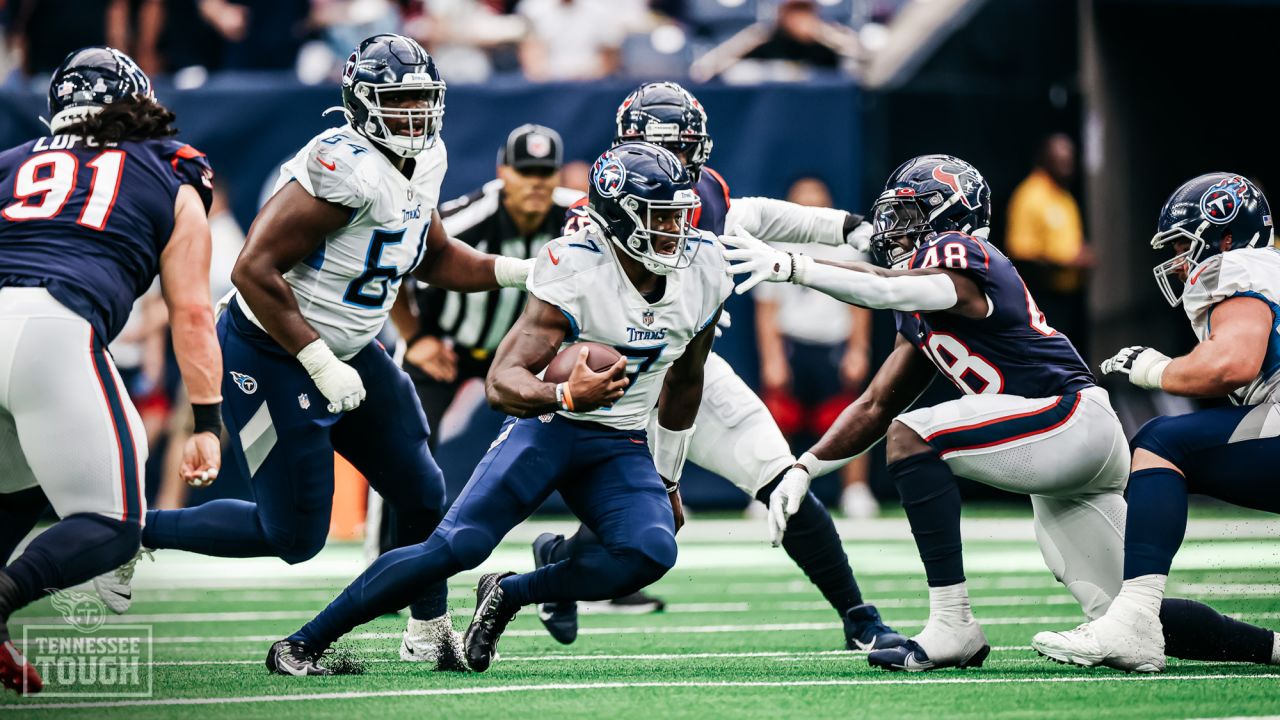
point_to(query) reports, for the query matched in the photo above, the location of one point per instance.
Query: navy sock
(75, 549)
(1195, 631)
(931, 500)
(223, 528)
(562, 547)
(1156, 523)
(412, 528)
(19, 512)
(812, 542)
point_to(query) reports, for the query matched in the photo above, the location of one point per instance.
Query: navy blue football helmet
(666, 114)
(392, 94)
(641, 197)
(89, 79)
(925, 196)
(1213, 213)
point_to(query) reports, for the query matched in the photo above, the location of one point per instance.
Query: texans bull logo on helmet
(965, 181)
(1222, 201)
(608, 175)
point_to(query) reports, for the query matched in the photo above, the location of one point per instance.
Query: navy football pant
(606, 477)
(283, 439)
(1225, 453)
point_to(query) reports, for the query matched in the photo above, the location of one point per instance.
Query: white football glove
(723, 322)
(860, 237)
(337, 381)
(1144, 366)
(757, 258)
(785, 501)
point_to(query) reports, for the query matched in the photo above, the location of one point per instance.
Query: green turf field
(744, 635)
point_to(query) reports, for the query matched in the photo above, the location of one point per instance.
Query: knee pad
(297, 544)
(633, 570)
(1165, 436)
(468, 546)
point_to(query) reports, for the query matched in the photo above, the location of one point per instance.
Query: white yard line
(576, 687)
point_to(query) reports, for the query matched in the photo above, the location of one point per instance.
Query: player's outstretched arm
(512, 385)
(452, 264)
(920, 290)
(903, 376)
(786, 222)
(1230, 358)
(184, 283)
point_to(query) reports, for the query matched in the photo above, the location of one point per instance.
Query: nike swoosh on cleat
(865, 646)
(910, 663)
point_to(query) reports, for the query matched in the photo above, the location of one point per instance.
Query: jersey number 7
(43, 184)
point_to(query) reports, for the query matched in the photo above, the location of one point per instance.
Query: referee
(454, 335)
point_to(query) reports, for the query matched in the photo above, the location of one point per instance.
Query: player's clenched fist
(337, 381)
(590, 389)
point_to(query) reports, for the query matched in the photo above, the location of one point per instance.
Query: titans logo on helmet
(965, 181)
(608, 175)
(1221, 202)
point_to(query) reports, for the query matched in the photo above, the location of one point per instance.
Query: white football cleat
(434, 641)
(857, 502)
(1129, 638)
(116, 587)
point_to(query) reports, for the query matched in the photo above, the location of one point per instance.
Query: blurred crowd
(473, 41)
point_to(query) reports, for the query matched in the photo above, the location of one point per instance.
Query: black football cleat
(864, 630)
(910, 657)
(492, 615)
(289, 657)
(559, 618)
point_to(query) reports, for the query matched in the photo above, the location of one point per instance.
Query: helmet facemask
(694, 148)
(405, 117)
(660, 251)
(893, 218)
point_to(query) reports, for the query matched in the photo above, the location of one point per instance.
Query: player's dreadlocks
(134, 118)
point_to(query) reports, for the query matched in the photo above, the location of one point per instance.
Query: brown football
(601, 357)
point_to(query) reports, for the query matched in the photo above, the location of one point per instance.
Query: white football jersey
(580, 274)
(1251, 272)
(346, 287)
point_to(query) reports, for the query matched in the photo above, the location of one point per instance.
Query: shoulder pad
(329, 167)
(192, 168)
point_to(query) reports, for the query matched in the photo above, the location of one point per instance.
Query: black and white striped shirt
(478, 321)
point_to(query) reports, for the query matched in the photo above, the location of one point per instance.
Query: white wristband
(511, 272)
(670, 447)
(316, 356)
(816, 467)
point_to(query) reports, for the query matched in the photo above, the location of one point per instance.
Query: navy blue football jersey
(712, 191)
(1013, 350)
(89, 222)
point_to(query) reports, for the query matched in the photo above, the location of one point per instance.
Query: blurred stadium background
(1150, 91)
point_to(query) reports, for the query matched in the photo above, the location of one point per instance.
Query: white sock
(1146, 591)
(950, 603)
(1275, 649)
